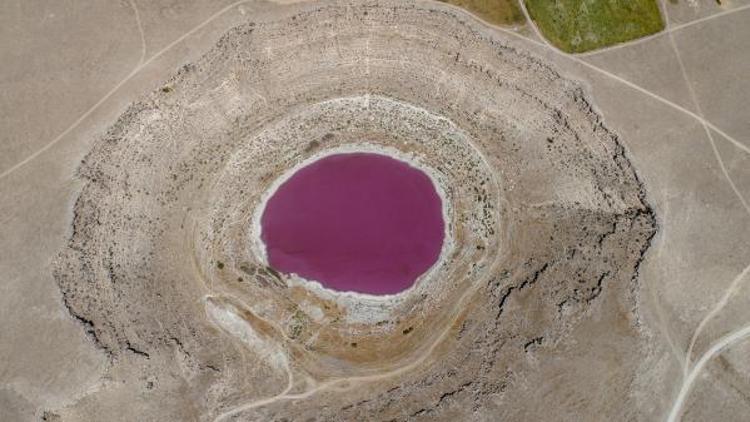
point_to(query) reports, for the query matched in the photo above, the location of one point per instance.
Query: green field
(576, 26)
(499, 12)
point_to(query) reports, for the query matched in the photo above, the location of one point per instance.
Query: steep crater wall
(547, 225)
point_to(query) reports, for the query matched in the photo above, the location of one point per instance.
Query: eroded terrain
(548, 225)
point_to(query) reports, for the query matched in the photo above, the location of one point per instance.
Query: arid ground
(596, 260)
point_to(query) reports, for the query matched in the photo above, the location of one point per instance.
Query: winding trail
(718, 347)
(732, 290)
(331, 384)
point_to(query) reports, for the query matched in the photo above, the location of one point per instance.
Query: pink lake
(356, 222)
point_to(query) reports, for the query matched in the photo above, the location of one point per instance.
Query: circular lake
(355, 222)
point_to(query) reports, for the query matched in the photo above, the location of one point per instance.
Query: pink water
(357, 222)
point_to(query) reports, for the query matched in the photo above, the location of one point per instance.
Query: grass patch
(576, 26)
(499, 12)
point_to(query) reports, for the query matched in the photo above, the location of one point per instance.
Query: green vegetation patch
(576, 26)
(499, 12)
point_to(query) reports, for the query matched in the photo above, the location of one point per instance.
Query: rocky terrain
(537, 289)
